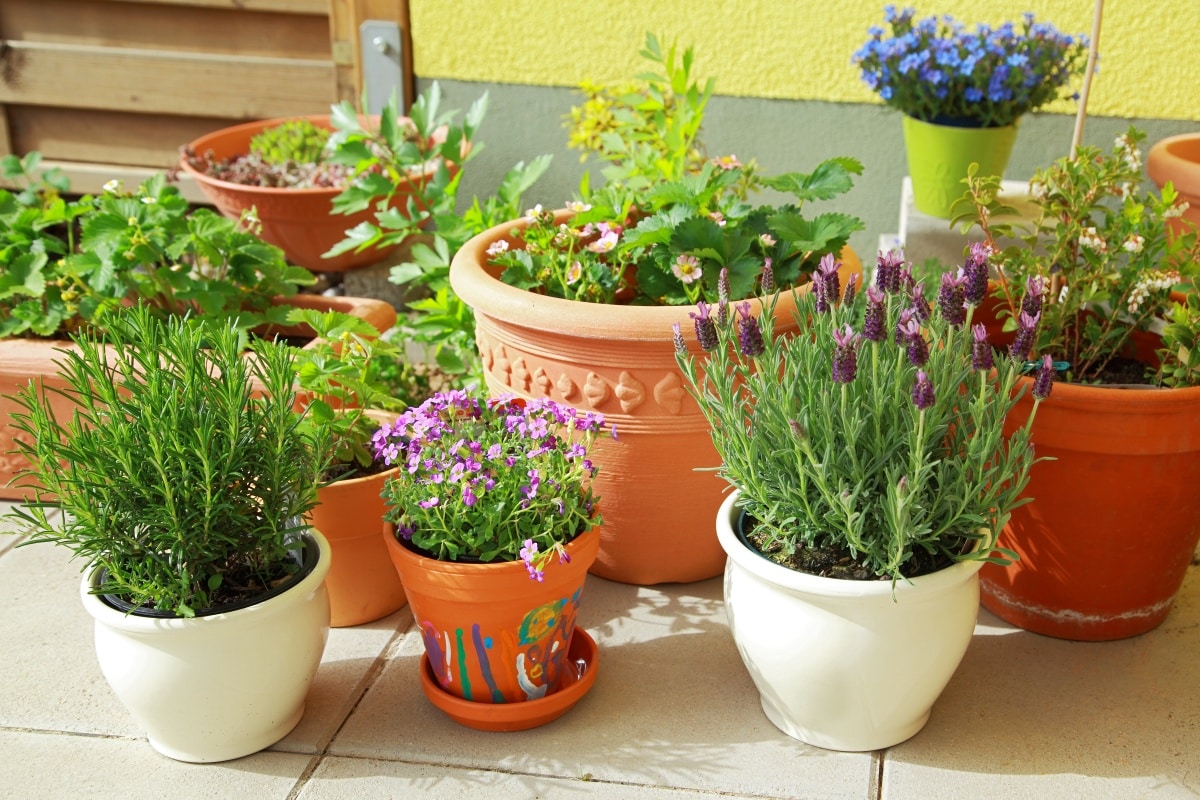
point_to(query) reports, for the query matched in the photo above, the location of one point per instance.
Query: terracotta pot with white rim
(618, 360)
(842, 664)
(221, 686)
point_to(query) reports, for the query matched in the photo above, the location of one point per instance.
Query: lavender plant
(491, 480)
(935, 70)
(870, 445)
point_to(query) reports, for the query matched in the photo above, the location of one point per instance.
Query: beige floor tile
(371, 779)
(672, 706)
(1031, 716)
(65, 767)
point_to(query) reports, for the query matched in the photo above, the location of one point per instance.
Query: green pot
(939, 155)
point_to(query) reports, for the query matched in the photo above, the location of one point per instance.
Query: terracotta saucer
(583, 656)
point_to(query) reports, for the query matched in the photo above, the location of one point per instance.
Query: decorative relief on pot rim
(595, 390)
(630, 392)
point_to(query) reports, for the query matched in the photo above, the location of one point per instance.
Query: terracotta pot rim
(480, 287)
(202, 143)
(496, 569)
(1165, 162)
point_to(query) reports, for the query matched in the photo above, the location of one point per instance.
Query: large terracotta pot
(1115, 519)
(23, 360)
(1177, 159)
(222, 686)
(301, 222)
(492, 634)
(841, 664)
(363, 584)
(618, 360)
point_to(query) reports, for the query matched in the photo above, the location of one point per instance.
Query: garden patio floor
(673, 715)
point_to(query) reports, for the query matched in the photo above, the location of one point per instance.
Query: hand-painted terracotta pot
(363, 585)
(494, 635)
(618, 360)
(841, 664)
(301, 222)
(23, 360)
(1115, 517)
(1177, 159)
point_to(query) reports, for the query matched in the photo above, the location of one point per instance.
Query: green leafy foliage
(296, 141)
(181, 468)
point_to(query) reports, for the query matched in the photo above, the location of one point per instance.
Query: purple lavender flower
(874, 320)
(1026, 327)
(706, 330)
(750, 341)
(952, 298)
(845, 355)
(918, 349)
(767, 283)
(826, 285)
(922, 393)
(1031, 303)
(677, 337)
(887, 271)
(1044, 380)
(850, 291)
(981, 349)
(975, 270)
(917, 302)
(723, 297)
(900, 335)
(907, 282)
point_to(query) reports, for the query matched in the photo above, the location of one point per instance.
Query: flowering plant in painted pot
(935, 69)
(491, 480)
(868, 445)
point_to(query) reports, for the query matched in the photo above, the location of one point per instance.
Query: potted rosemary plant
(1105, 547)
(577, 304)
(872, 479)
(184, 493)
(494, 512)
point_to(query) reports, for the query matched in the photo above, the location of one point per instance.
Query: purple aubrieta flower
(706, 330)
(981, 349)
(750, 341)
(922, 393)
(845, 354)
(952, 300)
(874, 320)
(1044, 381)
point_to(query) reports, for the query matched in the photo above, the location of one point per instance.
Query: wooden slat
(6, 141)
(280, 6)
(181, 29)
(345, 17)
(105, 137)
(156, 82)
(90, 178)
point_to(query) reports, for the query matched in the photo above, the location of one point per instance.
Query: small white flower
(1176, 210)
(1134, 243)
(578, 207)
(112, 187)
(767, 239)
(497, 247)
(1092, 240)
(533, 213)
(149, 201)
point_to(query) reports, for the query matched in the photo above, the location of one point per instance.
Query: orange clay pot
(492, 634)
(1115, 518)
(23, 360)
(658, 510)
(363, 584)
(1177, 159)
(301, 222)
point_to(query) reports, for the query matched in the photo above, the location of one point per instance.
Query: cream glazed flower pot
(841, 664)
(213, 688)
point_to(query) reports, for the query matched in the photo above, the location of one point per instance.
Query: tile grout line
(875, 785)
(356, 698)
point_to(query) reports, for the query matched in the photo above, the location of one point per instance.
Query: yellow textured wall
(788, 49)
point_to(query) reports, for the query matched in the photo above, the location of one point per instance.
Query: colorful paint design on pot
(535, 653)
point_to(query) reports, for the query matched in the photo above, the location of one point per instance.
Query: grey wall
(526, 121)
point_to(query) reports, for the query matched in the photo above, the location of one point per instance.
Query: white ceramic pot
(842, 664)
(217, 687)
